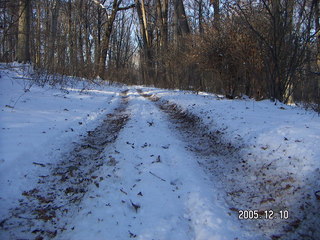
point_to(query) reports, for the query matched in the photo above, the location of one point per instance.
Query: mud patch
(42, 211)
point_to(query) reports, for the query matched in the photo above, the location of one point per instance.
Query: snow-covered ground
(37, 125)
(279, 167)
(151, 186)
(154, 171)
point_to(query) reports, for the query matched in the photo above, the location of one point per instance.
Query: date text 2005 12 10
(267, 214)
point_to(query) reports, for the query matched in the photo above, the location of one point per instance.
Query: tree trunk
(87, 39)
(276, 75)
(216, 9)
(162, 10)
(200, 16)
(38, 39)
(162, 21)
(46, 35)
(80, 34)
(53, 34)
(23, 53)
(143, 23)
(145, 57)
(72, 58)
(181, 22)
(97, 45)
(106, 39)
(317, 27)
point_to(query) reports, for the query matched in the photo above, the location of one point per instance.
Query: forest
(160, 119)
(260, 48)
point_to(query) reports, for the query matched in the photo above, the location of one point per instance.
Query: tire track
(203, 141)
(44, 210)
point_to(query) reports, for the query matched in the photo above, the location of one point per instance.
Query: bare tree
(51, 61)
(106, 38)
(162, 12)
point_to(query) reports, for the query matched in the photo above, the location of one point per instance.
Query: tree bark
(87, 38)
(145, 57)
(80, 34)
(106, 38)
(216, 14)
(200, 16)
(53, 34)
(143, 23)
(181, 22)
(162, 11)
(23, 53)
(72, 60)
(97, 46)
(276, 75)
(38, 38)
(317, 27)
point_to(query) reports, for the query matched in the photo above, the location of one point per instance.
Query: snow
(279, 144)
(151, 185)
(264, 127)
(41, 124)
(175, 203)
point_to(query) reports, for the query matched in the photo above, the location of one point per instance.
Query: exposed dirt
(42, 210)
(265, 188)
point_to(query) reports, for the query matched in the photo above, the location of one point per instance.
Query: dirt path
(42, 211)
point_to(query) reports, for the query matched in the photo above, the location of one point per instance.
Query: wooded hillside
(260, 48)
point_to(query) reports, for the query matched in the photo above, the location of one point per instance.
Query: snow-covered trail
(153, 188)
(103, 163)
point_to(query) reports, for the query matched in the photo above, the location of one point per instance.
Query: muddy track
(203, 142)
(264, 188)
(42, 211)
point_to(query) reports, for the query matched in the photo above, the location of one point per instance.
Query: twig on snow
(157, 176)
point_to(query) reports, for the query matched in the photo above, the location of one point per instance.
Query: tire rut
(203, 142)
(44, 210)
